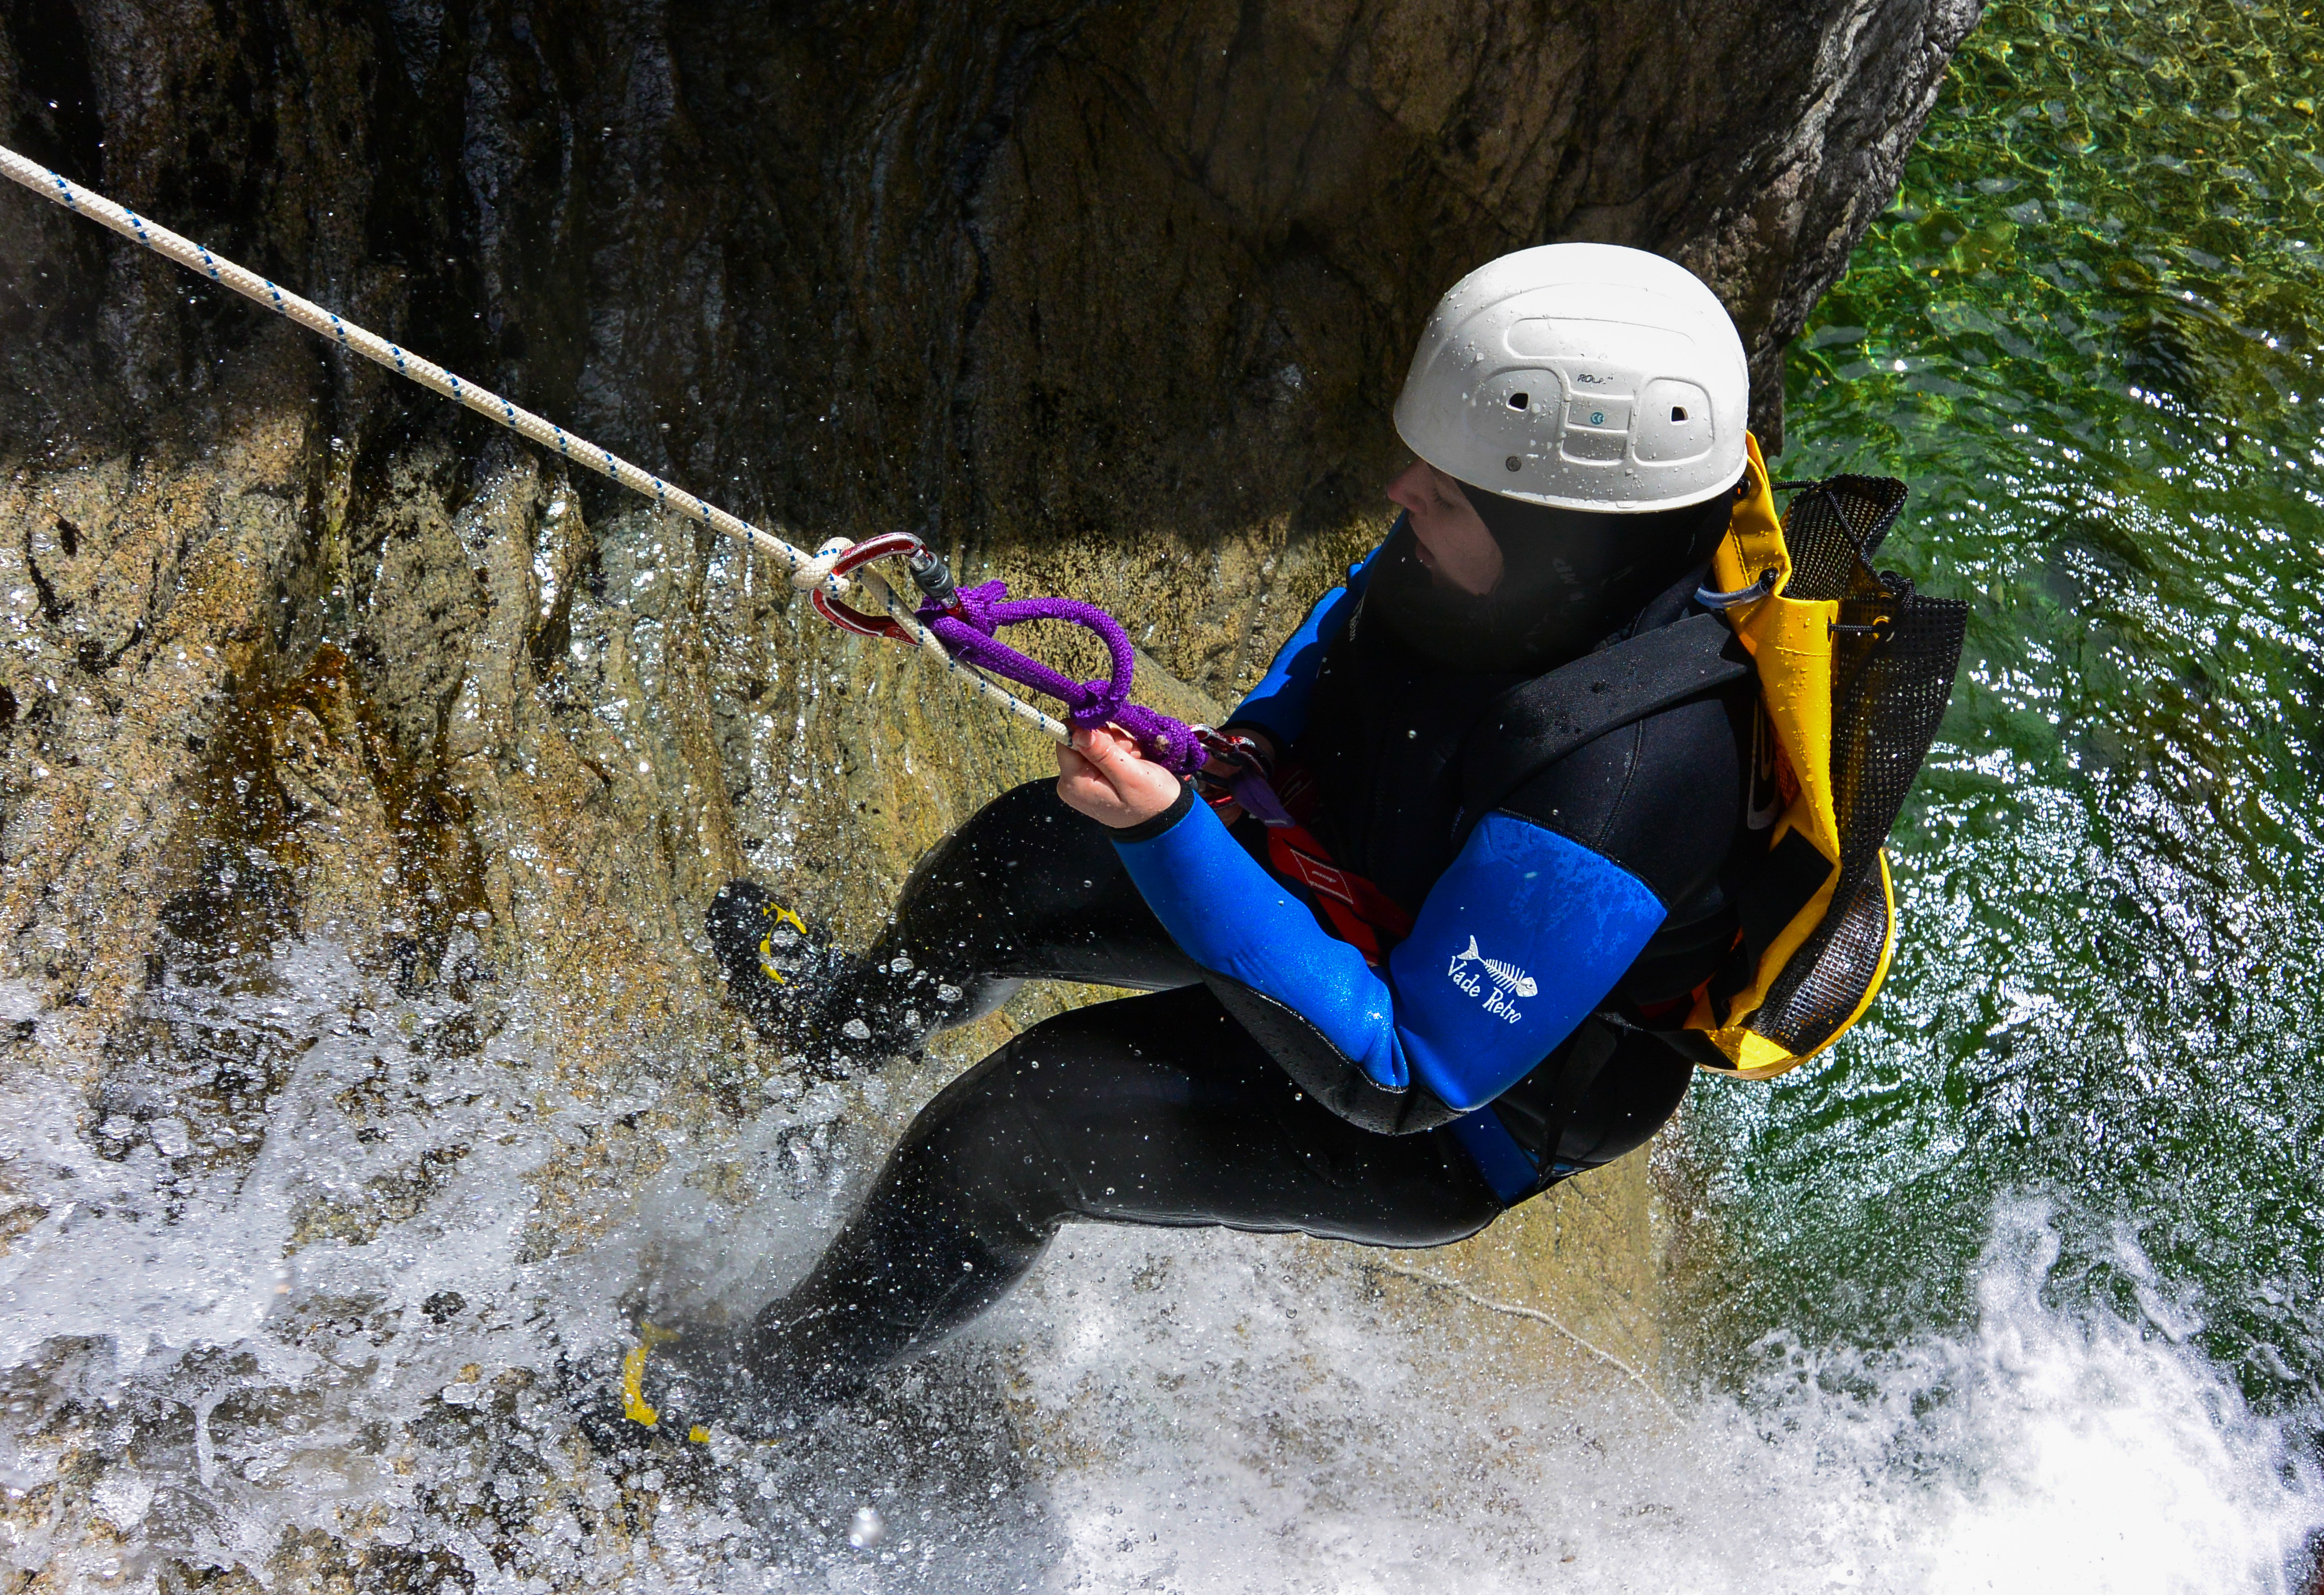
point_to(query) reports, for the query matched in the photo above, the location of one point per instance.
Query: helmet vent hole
(1678, 412)
(1514, 464)
(1519, 400)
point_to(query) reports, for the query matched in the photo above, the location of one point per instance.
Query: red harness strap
(1359, 910)
(1361, 913)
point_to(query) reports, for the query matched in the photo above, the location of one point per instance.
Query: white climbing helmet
(1585, 376)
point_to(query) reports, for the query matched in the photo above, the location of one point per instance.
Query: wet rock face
(1011, 262)
(1110, 299)
(1096, 295)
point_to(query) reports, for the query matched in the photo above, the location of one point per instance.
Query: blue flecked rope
(806, 570)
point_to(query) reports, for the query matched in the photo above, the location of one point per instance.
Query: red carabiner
(848, 618)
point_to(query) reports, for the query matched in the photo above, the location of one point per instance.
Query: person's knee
(991, 849)
(982, 1149)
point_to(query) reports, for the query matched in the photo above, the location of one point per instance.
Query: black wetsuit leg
(1157, 1109)
(1028, 888)
(1025, 889)
(1153, 1110)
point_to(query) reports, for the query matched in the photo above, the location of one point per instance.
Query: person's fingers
(1081, 787)
(1089, 768)
(1103, 750)
(1081, 784)
(1105, 775)
(1100, 744)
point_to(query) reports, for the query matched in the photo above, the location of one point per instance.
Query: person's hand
(1106, 777)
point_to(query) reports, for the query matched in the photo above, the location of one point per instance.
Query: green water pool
(2087, 334)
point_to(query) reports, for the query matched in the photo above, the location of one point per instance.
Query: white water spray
(209, 1364)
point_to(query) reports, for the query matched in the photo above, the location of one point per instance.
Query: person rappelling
(1580, 783)
(1577, 783)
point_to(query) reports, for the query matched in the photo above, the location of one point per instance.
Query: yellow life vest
(1855, 670)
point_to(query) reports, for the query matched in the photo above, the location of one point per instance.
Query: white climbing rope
(807, 571)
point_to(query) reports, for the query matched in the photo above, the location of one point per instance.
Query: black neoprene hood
(1569, 578)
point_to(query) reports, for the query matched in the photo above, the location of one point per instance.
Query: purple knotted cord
(986, 608)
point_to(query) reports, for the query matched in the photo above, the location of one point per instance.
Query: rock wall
(1110, 299)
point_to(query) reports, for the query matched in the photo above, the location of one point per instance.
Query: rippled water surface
(2087, 334)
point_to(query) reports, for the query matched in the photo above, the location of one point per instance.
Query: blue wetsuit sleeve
(1477, 1018)
(1278, 703)
(1235, 919)
(1518, 941)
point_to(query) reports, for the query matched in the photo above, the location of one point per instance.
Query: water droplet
(867, 1530)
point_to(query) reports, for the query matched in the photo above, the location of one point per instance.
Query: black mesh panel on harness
(1894, 655)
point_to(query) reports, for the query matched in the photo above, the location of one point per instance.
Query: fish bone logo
(1507, 979)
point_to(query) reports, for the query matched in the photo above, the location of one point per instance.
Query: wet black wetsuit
(1170, 1108)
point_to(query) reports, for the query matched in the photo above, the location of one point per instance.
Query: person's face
(1454, 544)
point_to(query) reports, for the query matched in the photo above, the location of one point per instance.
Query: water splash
(345, 1351)
(2043, 1448)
